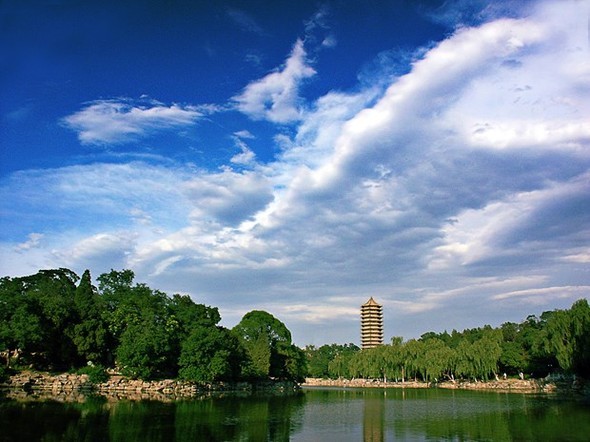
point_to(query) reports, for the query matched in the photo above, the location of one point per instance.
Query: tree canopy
(56, 320)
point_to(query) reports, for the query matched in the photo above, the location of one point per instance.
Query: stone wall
(120, 387)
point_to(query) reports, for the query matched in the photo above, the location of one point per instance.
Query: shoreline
(70, 387)
(507, 385)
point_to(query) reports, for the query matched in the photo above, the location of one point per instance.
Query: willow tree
(568, 337)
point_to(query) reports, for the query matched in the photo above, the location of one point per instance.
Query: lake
(314, 414)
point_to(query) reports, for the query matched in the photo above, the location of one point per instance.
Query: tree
(145, 351)
(259, 331)
(438, 360)
(294, 362)
(191, 315)
(413, 357)
(210, 354)
(51, 296)
(20, 318)
(90, 334)
(259, 351)
(568, 337)
(328, 361)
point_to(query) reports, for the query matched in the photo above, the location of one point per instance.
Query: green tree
(438, 360)
(259, 330)
(568, 337)
(210, 354)
(191, 315)
(328, 361)
(294, 362)
(145, 351)
(22, 328)
(90, 334)
(142, 327)
(413, 359)
(259, 351)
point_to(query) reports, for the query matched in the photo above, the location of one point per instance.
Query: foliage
(97, 374)
(268, 346)
(3, 373)
(145, 351)
(329, 361)
(568, 337)
(90, 334)
(210, 354)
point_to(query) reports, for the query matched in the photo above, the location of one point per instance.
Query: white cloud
(246, 157)
(567, 291)
(113, 248)
(275, 96)
(123, 120)
(32, 242)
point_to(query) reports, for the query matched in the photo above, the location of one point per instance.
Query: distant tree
(259, 351)
(141, 325)
(328, 360)
(115, 282)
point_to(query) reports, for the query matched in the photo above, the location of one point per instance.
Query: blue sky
(299, 157)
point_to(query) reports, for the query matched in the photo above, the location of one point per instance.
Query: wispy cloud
(275, 96)
(33, 241)
(245, 21)
(541, 294)
(122, 120)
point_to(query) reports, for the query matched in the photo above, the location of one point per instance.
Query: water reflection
(342, 415)
(373, 419)
(256, 417)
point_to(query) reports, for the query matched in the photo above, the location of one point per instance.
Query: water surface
(311, 415)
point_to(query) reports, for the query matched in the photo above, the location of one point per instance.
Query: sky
(301, 157)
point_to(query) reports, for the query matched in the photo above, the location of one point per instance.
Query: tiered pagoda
(371, 324)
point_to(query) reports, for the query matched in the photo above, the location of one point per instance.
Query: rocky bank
(515, 385)
(40, 384)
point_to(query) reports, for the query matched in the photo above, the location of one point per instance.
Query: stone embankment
(119, 387)
(515, 385)
(361, 383)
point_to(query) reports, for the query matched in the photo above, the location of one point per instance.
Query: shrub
(97, 374)
(3, 373)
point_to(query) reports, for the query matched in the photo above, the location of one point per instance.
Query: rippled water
(312, 415)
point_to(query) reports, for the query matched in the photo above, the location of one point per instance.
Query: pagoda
(371, 324)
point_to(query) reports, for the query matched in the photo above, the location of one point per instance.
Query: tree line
(56, 320)
(556, 342)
